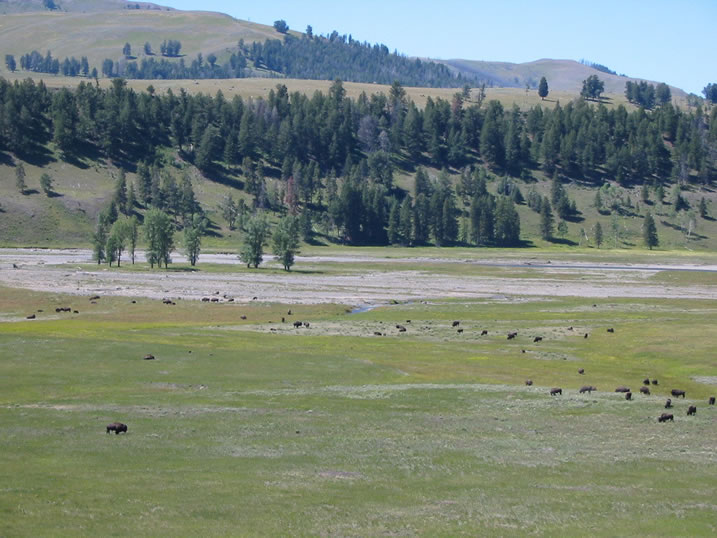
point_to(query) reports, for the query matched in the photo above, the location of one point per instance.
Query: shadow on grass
(53, 194)
(562, 241)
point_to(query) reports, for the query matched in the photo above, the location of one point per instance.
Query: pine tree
(703, 208)
(543, 88)
(546, 221)
(394, 222)
(649, 232)
(46, 184)
(598, 234)
(405, 221)
(20, 178)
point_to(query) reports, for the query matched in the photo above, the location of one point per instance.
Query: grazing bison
(297, 324)
(306, 324)
(555, 391)
(622, 389)
(283, 320)
(402, 329)
(149, 357)
(288, 313)
(711, 401)
(512, 335)
(611, 330)
(645, 390)
(646, 381)
(586, 335)
(117, 427)
(691, 410)
(459, 331)
(570, 328)
(483, 332)
(668, 404)
(376, 333)
(529, 382)
(537, 339)
(455, 323)
(205, 299)
(654, 382)
(587, 388)
(31, 316)
(581, 371)
(628, 396)
(677, 393)
(94, 298)
(664, 417)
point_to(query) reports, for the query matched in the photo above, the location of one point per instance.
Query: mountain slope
(562, 75)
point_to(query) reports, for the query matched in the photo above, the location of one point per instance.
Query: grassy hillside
(562, 75)
(24, 6)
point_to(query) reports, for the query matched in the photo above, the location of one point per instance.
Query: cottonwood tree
(20, 178)
(159, 232)
(46, 183)
(285, 241)
(598, 234)
(252, 248)
(193, 238)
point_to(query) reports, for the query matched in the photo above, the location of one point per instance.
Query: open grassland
(254, 427)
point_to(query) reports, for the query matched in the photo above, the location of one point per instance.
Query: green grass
(333, 431)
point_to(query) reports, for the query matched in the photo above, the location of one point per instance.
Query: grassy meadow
(238, 429)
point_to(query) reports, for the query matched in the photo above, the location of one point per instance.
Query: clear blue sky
(668, 41)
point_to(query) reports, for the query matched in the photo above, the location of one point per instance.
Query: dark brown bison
(205, 299)
(691, 410)
(664, 417)
(611, 330)
(628, 396)
(242, 317)
(297, 324)
(677, 393)
(646, 381)
(376, 333)
(645, 390)
(459, 331)
(537, 339)
(94, 298)
(529, 382)
(654, 382)
(455, 324)
(31, 316)
(668, 404)
(149, 357)
(307, 324)
(587, 388)
(581, 371)
(483, 332)
(117, 427)
(622, 389)
(711, 401)
(512, 335)
(570, 328)
(556, 390)
(401, 329)
(586, 335)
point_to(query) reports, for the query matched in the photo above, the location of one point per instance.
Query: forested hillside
(334, 161)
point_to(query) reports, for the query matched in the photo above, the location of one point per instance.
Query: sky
(665, 41)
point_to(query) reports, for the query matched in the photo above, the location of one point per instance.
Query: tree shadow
(562, 241)
(6, 159)
(30, 192)
(53, 194)
(39, 156)
(693, 235)
(218, 175)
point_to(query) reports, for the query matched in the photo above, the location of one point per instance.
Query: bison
(117, 427)
(611, 330)
(691, 410)
(668, 404)
(149, 357)
(537, 339)
(622, 389)
(677, 393)
(512, 335)
(628, 396)
(529, 382)
(94, 298)
(586, 335)
(711, 401)
(297, 324)
(376, 333)
(664, 417)
(646, 381)
(459, 331)
(556, 390)
(31, 316)
(654, 382)
(455, 324)
(484, 333)
(581, 371)
(645, 391)
(587, 388)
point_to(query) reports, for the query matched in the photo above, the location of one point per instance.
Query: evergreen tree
(598, 234)
(252, 248)
(703, 208)
(120, 191)
(46, 184)
(507, 223)
(649, 232)
(405, 221)
(546, 221)
(99, 238)
(193, 239)
(285, 241)
(131, 200)
(394, 222)
(20, 178)
(543, 88)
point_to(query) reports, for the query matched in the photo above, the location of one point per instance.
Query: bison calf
(117, 427)
(668, 404)
(664, 417)
(692, 410)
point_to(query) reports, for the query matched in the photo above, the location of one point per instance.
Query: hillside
(562, 75)
(73, 6)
